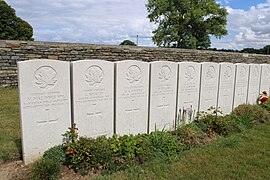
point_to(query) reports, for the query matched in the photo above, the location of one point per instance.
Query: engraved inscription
(48, 121)
(165, 73)
(45, 99)
(133, 74)
(190, 73)
(46, 77)
(94, 76)
(210, 74)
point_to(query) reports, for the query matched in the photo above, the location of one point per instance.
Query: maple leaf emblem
(133, 74)
(94, 75)
(228, 72)
(165, 73)
(210, 73)
(255, 72)
(46, 77)
(190, 73)
(243, 72)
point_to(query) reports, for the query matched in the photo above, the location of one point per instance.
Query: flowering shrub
(263, 97)
(120, 152)
(263, 101)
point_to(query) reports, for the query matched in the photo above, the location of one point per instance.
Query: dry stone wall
(13, 51)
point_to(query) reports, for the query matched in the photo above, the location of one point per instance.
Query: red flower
(71, 150)
(264, 99)
(265, 93)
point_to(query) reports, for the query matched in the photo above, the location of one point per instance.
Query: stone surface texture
(241, 84)
(45, 108)
(265, 78)
(132, 97)
(93, 97)
(12, 52)
(226, 87)
(254, 83)
(188, 91)
(209, 85)
(163, 90)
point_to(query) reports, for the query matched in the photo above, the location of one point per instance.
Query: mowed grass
(10, 141)
(241, 156)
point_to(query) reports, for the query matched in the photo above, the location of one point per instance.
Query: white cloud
(88, 21)
(249, 28)
(112, 21)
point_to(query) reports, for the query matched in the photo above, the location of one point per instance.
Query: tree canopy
(127, 42)
(187, 23)
(11, 26)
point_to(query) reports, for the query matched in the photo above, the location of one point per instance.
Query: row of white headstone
(125, 97)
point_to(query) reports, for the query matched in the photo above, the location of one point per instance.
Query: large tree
(187, 23)
(11, 26)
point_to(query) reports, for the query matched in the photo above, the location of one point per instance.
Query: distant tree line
(264, 50)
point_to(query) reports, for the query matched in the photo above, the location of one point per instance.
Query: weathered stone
(31, 50)
(45, 107)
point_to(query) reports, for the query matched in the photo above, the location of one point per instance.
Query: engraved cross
(209, 98)
(241, 95)
(48, 122)
(189, 100)
(95, 114)
(226, 100)
(163, 107)
(133, 110)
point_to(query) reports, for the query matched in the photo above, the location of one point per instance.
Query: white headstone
(254, 83)
(93, 94)
(44, 87)
(265, 78)
(226, 87)
(188, 91)
(209, 85)
(132, 91)
(163, 89)
(241, 84)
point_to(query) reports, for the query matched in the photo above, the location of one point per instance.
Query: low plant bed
(108, 155)
(233, 146)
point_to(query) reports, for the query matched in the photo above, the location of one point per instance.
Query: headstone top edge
(265, 64)
(253, 64)
(226, 63)
(241, 64)
(212, 63)
(189, 62)
(131, 61)
(92, 61)
(42, 60)
(166, 62)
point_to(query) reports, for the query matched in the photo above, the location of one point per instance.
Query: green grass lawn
(10, 142)
(242, 156)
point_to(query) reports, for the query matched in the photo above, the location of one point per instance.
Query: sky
(112, 21)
